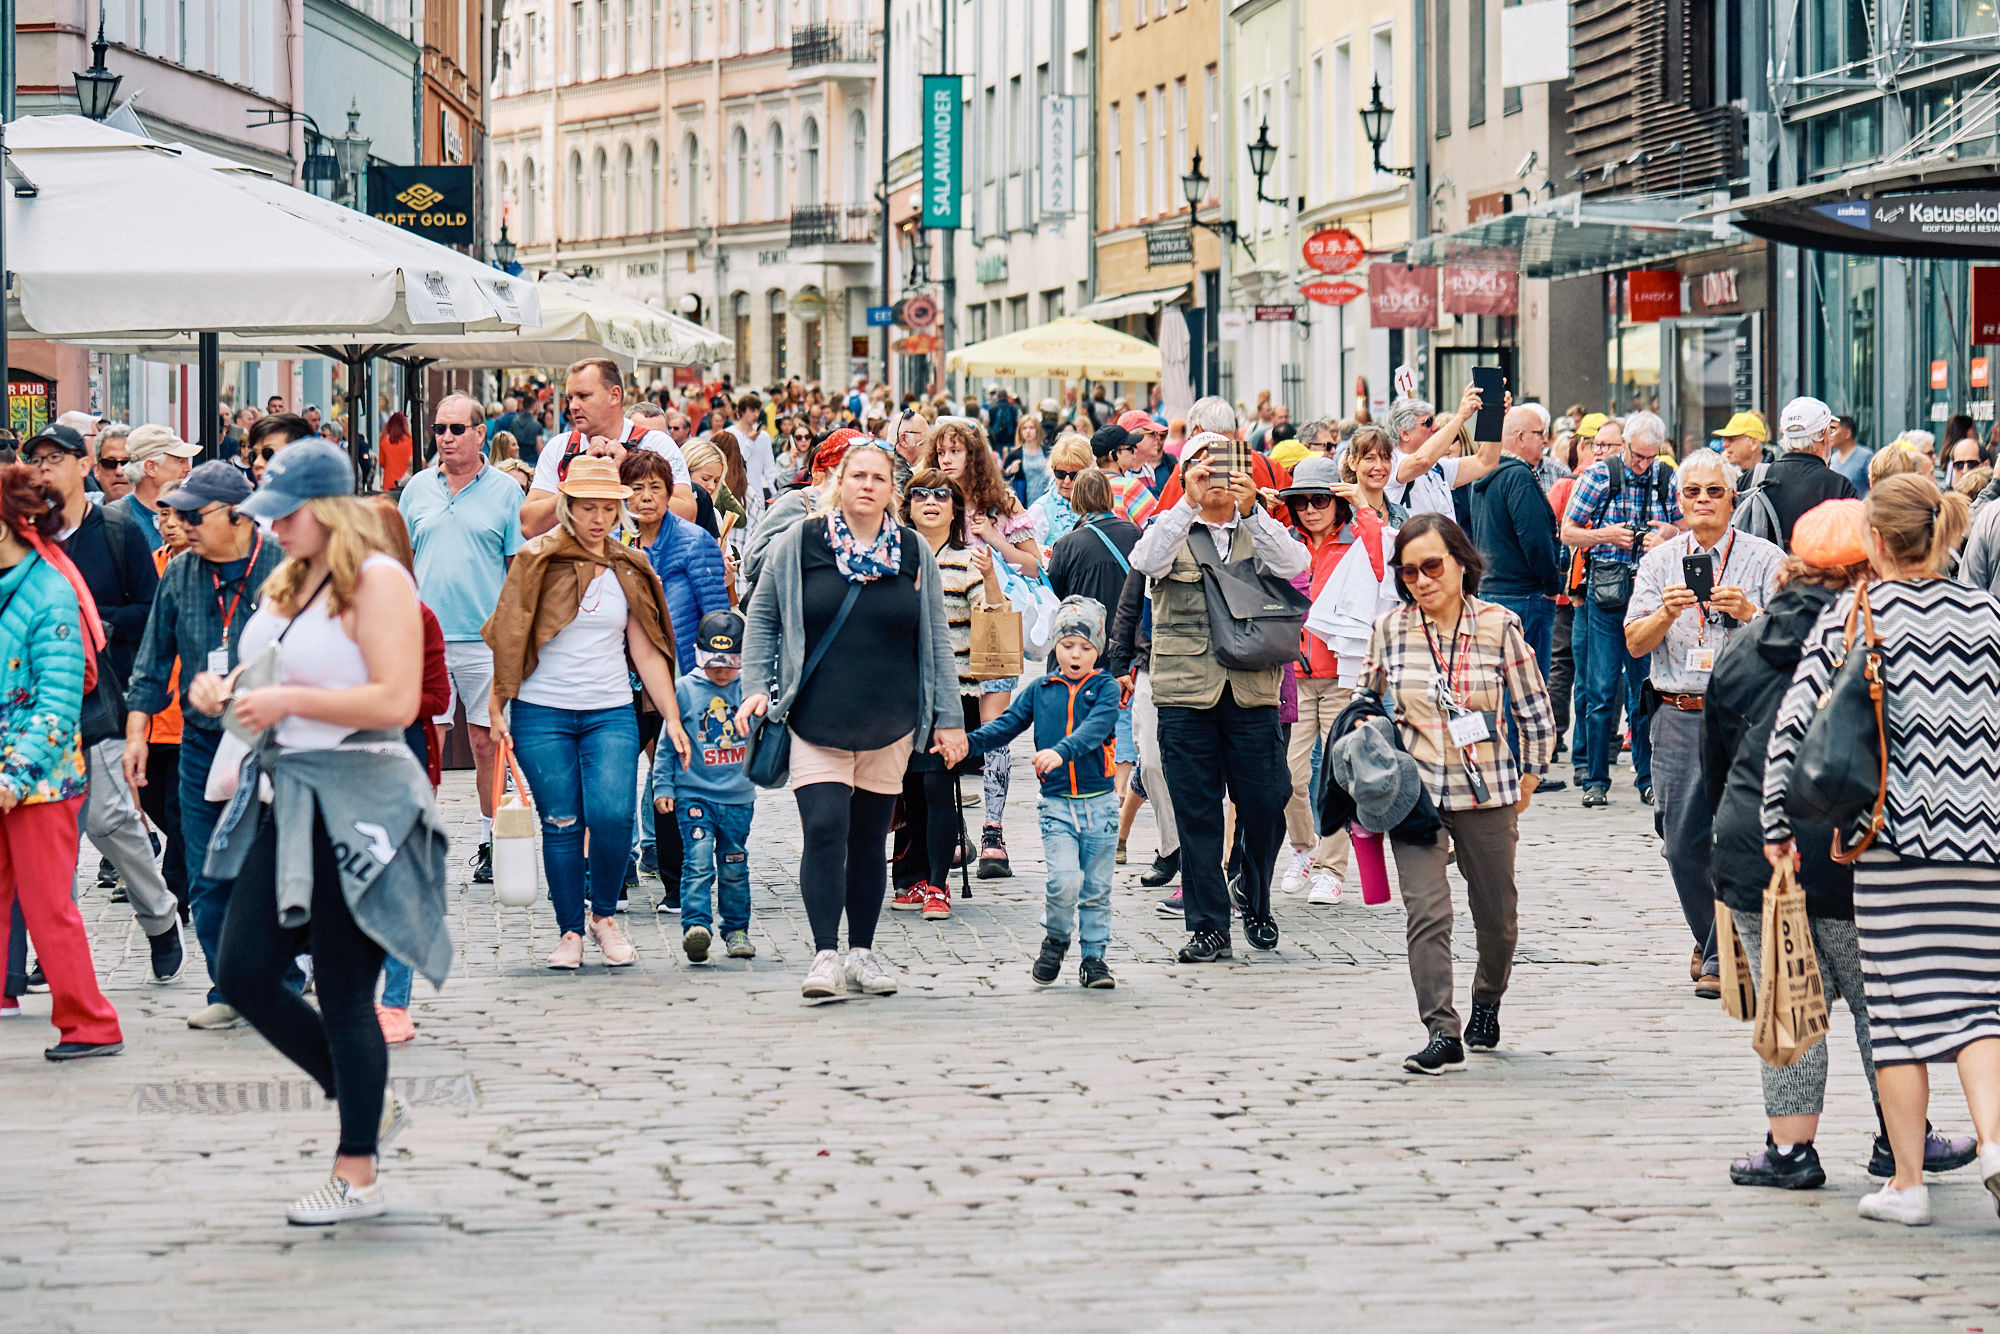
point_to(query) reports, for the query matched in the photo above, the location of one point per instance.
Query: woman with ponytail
(1927, 890)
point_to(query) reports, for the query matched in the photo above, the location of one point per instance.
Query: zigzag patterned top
(1941, 709)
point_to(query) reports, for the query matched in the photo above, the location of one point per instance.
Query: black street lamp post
(97, 86)
(1375, 119)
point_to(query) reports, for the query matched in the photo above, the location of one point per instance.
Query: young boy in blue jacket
(1074, 712)
(711, 798)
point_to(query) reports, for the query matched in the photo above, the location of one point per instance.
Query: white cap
(1202, 443)
(1804, 418)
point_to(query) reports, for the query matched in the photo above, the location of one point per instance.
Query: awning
(1071, 348)
(1572, 237)
(1131, 303)
(1936, 210)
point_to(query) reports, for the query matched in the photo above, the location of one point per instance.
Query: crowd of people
(1314, 650)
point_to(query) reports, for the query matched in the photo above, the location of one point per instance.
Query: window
(656, 30)
(742, 26)
(500, 193)
(690, 181)
(739, 193)
(531, 57)
(632, 47)
(1141, 197)
(991, 134)
(740, 309)
(1382, 70)
(628, 174)
(1946, 19)
(600, 170)
(774, 301)
(1053, 304)
(1138, 12)
(1180, 127)
(1115, 129)
(530, 216)
(1475, 57)
(694, 32)
(774, 155)
(1162, 196)
(1343, 120)
(1441, 70)
(857, 157)
(603, 38)
(1017, 132)
(809, 193)
(1110, 16)
(1510, 98)
(1316, 128)
(576, 42)
(1835, 33)
(654, 186)
(1246, 186)
(1211, 134)
(575, 192)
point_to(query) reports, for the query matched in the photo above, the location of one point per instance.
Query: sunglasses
(455, 428)
(930, 493)
(108, 463)
(1311, 502)
(1713, 491)
(1429, 568)
(1964, 463)
(1066, 474)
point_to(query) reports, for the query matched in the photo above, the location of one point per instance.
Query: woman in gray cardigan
(886, 685)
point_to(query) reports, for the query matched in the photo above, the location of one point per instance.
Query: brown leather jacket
(544, 587)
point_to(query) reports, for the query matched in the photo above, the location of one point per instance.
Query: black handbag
(1610, 585)
(102, 716)
(1255, 618)
(1841, 773)
(767, 747)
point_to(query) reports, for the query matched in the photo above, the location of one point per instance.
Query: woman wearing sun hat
(576, 601)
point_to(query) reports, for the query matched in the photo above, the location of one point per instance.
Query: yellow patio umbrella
(1070, 349)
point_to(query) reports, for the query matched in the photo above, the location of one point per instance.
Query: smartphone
(1492, 403)
(1699, 574)
(1231, 457)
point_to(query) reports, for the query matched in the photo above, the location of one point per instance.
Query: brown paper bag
(1739, 988)
(1791, 1002)
(996, 643)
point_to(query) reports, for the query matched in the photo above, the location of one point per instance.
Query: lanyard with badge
(1467, 727)
(1701, 658)
(218, 658)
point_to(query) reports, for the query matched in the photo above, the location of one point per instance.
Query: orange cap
(1831, 534)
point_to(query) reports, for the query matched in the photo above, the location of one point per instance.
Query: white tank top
(316, 652)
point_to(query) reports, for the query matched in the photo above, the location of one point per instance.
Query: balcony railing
(834, 224)
(831, 44)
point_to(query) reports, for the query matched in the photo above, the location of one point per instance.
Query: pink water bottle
(1368, 861)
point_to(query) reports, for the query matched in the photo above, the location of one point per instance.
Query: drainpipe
(882, 129)
(1420, 161)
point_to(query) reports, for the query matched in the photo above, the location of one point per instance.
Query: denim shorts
(1004, 686)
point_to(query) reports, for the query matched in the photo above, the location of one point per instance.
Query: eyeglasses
(1310, 502)
(1066, 474)
(46, 457)
(200, 516)
(931, 493)
(1429, 568)
(456, 428)
(1714, 491)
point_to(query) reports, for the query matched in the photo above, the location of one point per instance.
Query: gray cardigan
(774, 641)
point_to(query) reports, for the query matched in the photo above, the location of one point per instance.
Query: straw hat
(593, 478)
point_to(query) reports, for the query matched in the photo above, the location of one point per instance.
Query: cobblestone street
(1221, 1147)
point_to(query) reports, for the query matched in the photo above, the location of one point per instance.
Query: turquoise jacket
(41, 684)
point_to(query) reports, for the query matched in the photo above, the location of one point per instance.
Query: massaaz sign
(433, 202)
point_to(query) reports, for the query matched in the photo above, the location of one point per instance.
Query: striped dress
(1927, 894)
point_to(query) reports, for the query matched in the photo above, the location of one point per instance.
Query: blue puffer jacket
(41, 684)
(689, 563)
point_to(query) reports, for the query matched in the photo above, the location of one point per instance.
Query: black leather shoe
(1483, 1033)
(1048, 964)
(1551, 785)
(1164, 870)
(1205, 947)
(482, 865)
(1441, 1055)
(76, 1051)
(1261, 932)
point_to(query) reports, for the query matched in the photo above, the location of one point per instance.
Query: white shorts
(470, 665)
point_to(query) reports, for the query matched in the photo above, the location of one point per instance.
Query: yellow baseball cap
(1745, 423)
(1587, 428)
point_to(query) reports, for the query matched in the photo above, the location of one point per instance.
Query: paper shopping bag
(1791, 1001)
(1739, 987)
(996, 643)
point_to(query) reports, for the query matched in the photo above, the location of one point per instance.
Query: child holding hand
(711, 798)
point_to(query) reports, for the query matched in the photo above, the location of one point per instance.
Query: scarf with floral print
(859, 564)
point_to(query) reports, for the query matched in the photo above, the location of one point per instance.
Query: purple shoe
(1942, 1153)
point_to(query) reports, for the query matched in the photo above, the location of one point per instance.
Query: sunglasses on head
(1429, 568)
(1066, 474)
(1714, 491)
(455, 428)
(930, 493)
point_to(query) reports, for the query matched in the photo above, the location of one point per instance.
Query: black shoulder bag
(1611, 579)
(1841, 773)
(767, 749)
(1255, 618)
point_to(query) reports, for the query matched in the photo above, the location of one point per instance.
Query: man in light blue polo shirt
(465, 522)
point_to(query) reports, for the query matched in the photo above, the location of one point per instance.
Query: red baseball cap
(1136, 420)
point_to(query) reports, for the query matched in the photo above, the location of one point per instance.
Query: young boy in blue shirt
(711, 798)
(1074, 712)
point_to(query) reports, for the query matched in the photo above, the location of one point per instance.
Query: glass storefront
(1841, 336)
(1717, 371)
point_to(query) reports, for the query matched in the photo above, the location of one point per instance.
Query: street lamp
(1375, 124)
(1194, 186)
(97, 86)
(321, 170)
(504, 248)
(920, 256)
(352, 150)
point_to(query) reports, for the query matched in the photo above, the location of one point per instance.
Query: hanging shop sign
(1652, 295)
(1940, 374)
(1980, 378)
(920, 311)
(1400, 297)
(433, 202)
(1169, 245)
(807, 307)
(1058, 166)
(1327, 292)
(1985, 321)
(918, 344)
(943, 132)
(1480, 291)
(1275, 314)
(1333, 250)
(28, 400)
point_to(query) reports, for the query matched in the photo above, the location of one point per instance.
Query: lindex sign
(1334, 250)
(1326, 292)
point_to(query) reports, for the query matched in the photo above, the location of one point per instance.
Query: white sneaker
(823, 978)
(867, 973)
(1295, 874)
(338, 1202)
(1911, 1207)
(1326, 888)
(1989, 1169)
(216, 1016)
(395, 1119)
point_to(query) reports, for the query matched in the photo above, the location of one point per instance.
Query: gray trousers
(1686, 822)
(113, 822)
(1146, 740)
(1485, 842)
(1800, 1090)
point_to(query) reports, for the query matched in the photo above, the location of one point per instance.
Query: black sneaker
(1483, 1033)
(482, 865)
(1205, 947)
(1596, 794)
(118, 894)
(1165, 868)
(670, 902)
(168, 956)
(1441, 1055)
(107, 874)
(993, 863)
(1096, 974)
(1942, 1153)
(76, 1051)
(37, 983)
(649, 860)
(1048, 964)
(1797, 1170)
(1238, 900)
(1261, 932)
(1646, 795)
(1551, 785)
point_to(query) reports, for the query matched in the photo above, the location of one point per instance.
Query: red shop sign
(1333, 250)
(1400, 297)
(1481, 292)
(1652, 294)
(1329, 293)
(1985, 304)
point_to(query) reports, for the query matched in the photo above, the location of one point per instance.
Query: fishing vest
(1182, 664)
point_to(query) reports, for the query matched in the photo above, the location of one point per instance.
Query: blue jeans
(1538, 627)
(716, 837)
(1080, 841)
(1609, 664)
(397, 979)
(582, 765)
(208, 899)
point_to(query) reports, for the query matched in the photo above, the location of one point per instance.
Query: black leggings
(340, 1045)
(161, 800)
(844, 865)
(929, 836)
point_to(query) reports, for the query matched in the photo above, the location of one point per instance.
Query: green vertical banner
(943, 150)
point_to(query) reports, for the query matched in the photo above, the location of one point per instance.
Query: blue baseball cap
(213, 483)
(301, 471)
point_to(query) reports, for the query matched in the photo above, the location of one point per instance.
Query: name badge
(218, 661)
(1701, 660)
(1467, 729)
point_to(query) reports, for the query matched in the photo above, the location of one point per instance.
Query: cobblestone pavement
(1223, 1147)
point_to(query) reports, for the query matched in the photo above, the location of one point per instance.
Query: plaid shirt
(1492, 665)
(1591, 505)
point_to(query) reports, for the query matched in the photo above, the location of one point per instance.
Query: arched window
(774, 153)
(655, 198)
(857, 158)
(600, 170)
(739, 188)
(809, 164)
(500, 193)
(530, 222)
(575, 209)
(690, 182)
(629, 178)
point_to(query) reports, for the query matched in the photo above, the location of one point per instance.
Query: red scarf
(93, 628)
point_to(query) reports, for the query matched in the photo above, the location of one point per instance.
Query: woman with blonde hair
(332, 638)
(708, 468)
(1895, 459)
(1052, 512)
(1927, 889)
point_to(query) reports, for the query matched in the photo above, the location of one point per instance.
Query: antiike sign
(433, 202)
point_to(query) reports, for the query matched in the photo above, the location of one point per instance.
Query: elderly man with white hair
(1800, 478)
(1214, 415)
(1692, 592)
(159, 459)
(1427, 472)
